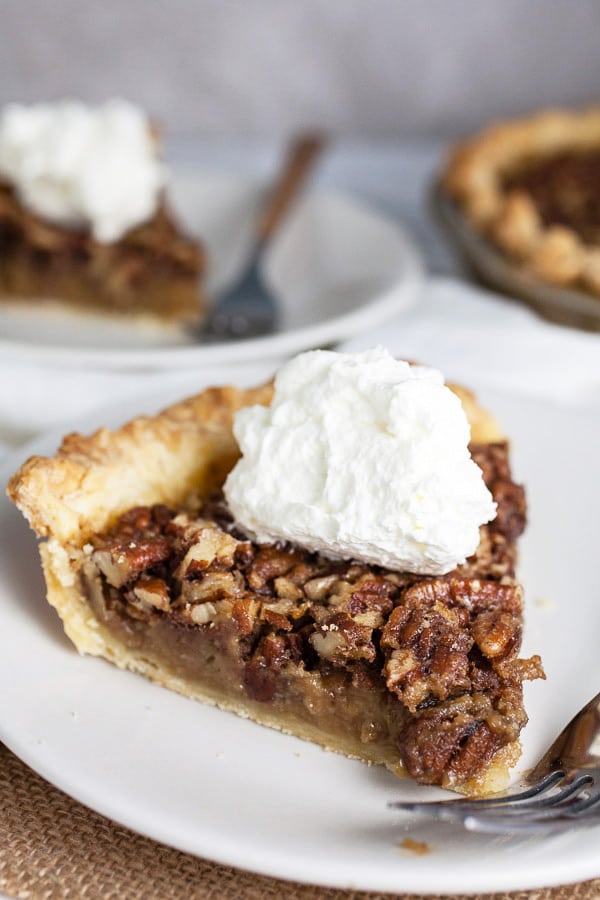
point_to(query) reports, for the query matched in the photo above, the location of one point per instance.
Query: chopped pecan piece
(304, 572)
(212, 586)
(209, 547)
(494, 558)
(286, 589)
(372, 602)
(318, 589)
(496, 632)
(245, 613)
(154, 592)
(291, 609)
(340, 640)
(277, 619)
(429, 635)
(244, 554)
(530, 669)
(143, 521)
(279, 649)
(270, 562)
(121, 563)
(202, 613)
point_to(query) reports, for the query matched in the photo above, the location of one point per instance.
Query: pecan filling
(38, 258)
(427, 664)
(565, 190)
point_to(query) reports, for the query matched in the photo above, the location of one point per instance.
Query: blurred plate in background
(335, 268)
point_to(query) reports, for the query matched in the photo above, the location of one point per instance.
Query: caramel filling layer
(154, 268)
(419, 673)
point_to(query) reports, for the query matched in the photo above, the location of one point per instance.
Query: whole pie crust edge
(187, 449)
(473, 177)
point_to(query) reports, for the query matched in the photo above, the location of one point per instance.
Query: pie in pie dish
(532, 186)
(147, 569)
(84, 219)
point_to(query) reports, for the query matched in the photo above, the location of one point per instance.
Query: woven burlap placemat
(51, 847)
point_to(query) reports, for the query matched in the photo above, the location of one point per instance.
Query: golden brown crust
(484, 427)
(474, 178)
(186, 448)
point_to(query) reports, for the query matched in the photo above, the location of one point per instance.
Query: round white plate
(335, 269)
(224, 788)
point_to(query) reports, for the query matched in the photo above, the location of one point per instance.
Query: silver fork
(248, 310)
(563, 791)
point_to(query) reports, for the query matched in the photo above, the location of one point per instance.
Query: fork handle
(300, 159)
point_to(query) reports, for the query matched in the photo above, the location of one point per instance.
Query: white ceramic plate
(221, 787)
(335, 269)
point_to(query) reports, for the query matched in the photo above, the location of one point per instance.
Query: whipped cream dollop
(82, 166)
(361, 456)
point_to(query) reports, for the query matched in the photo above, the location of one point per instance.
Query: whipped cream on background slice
(82, 166)
(361, 456)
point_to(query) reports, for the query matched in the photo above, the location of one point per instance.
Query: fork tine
(530, 824)
(512, 813)
(592, 801)
(429, 806)
(585, 811)
(503, 820)
(552, 800)
(565, 787)
(567, 800)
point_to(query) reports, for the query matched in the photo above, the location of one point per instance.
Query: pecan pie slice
(532, 186)
(147, 569)
(84, 220)
(153, 271)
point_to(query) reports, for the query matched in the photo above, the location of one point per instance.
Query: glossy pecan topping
(443, 651)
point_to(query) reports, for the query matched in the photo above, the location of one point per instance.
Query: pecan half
(448, 747)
